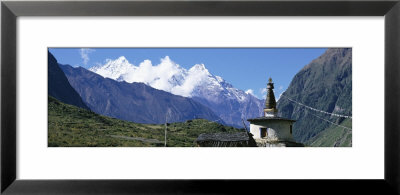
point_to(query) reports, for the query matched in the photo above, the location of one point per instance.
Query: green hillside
(325, 84)
(70, 126)
(334, 136)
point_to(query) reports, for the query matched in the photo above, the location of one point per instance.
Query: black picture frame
(10, 10)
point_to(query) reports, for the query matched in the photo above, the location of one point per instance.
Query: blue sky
(244, 68)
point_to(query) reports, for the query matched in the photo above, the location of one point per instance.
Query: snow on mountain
(113, 69)
(229, 103)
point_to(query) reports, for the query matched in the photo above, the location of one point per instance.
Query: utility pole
(165, 132)
(166, 124)
(165, 136)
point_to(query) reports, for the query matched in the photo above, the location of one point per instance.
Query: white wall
(277, 130)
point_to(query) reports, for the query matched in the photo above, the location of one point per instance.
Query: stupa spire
(270, 102)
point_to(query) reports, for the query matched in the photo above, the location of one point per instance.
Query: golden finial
(270, 80)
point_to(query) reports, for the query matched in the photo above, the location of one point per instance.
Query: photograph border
(10, 10)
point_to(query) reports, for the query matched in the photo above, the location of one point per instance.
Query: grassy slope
(333, 136)
(324, 84)
(72, 126)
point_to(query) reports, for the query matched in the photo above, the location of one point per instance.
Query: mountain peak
(166, 58)
(122, 59)
(200, 68)
(196, 82)
(113, 68)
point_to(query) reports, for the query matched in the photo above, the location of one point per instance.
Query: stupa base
(268, 143)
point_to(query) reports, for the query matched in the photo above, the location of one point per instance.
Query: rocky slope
(324, 84)
(59, 87)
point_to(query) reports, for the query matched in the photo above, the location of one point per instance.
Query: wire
(314, 109)
(331, 122)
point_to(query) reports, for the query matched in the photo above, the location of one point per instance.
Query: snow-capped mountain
(230, 104)
(113, 69)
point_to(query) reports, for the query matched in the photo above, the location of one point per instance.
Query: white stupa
(270, 130)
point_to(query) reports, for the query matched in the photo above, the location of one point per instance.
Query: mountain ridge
(134, 102)
(324, 84)
(59, 86)
(230, 104)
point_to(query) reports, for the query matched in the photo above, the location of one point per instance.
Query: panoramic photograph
(199, 97)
